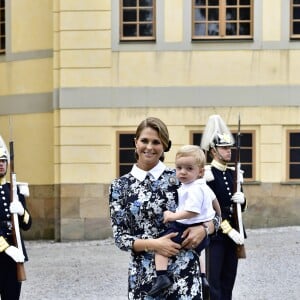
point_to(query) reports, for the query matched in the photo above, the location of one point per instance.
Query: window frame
(2, 27)
(292, 21)
(288, 163)
(137, 37)
(222, 22)
(253, 147)
(118, 139)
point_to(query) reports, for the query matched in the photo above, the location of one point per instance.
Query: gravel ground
(98, 269)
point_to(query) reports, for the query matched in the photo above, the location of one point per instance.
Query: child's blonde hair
(192, 150)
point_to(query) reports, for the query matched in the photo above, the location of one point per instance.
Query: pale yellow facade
(68, 86)
(33, 29)
(173, 11)
(33, 142)
(272, 11)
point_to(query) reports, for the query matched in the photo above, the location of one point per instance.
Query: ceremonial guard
(222, 258)
(10, 255)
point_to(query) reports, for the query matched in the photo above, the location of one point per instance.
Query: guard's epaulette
(208, 174)
(241, 175)
(23, 187)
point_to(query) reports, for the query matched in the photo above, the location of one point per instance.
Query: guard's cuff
(26, 217)
(226, 227)
(3, 244)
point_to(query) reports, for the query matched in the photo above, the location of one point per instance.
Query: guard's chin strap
(219, 155)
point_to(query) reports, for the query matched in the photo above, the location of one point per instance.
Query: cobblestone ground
(97, 270)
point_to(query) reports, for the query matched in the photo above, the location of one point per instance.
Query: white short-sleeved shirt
(197, 197)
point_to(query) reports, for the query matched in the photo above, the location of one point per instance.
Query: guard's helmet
(223, 140)
(216, 134)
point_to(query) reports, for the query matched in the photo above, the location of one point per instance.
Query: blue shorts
(180, 228)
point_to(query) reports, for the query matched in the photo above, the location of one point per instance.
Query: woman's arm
(163, 245)
(120, 218)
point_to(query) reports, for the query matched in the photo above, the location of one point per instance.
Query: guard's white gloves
(235, 236)
(238, 197)
(16, 207)
(232, 233)
(15, 253)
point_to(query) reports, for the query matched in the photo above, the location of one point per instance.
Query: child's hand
(168, 216)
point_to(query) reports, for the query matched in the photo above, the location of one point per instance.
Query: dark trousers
(10, 287)
(222, 267)
(180, 228)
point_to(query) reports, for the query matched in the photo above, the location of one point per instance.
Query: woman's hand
(193, 236)
(165, 246)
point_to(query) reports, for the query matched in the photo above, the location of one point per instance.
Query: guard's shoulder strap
(23, 187)
(208, 174)
(241, 176)
(241, 173)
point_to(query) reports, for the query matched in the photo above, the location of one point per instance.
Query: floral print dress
(136, 204)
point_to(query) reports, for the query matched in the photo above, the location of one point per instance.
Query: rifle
(21, 276)
(237, 211)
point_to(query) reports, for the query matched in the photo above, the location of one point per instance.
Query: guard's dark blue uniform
(222, 258)
(9, 286)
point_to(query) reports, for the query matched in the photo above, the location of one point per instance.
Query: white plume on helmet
(216, 133)
(4, 154)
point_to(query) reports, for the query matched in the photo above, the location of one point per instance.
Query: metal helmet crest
(216, 134)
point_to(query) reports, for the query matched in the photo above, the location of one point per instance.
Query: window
(246, 152)
(295, 18)
(126, 150)
(294, 155)
(196, 140)
(222, 19)
(2, 26)
(137, 20)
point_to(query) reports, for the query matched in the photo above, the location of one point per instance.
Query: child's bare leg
(202, 262)
(161, 262)
(162, 281)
